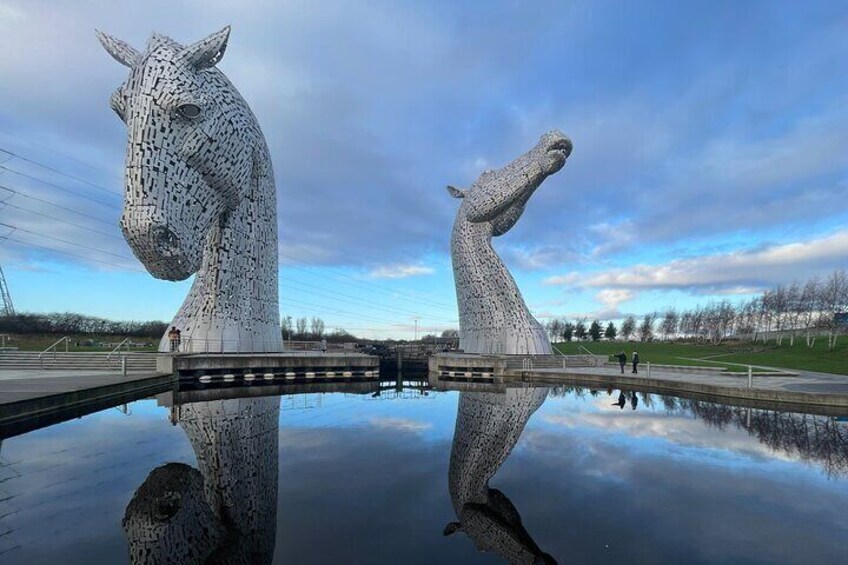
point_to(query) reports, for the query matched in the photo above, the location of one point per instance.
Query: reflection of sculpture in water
(488, 426)
(225, 512)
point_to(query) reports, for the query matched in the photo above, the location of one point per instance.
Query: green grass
(799, 357)
(39, 342)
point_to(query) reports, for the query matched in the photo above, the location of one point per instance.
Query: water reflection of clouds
(583, 475)
(401, 424)
(661, 429)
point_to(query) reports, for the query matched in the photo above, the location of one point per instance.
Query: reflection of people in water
(226, 510)
(622, 400)
(488, 426)
(634, 402)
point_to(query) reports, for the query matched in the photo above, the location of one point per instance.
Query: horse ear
(208, 51)
(121, 51)
(452, 528)
(455, 192)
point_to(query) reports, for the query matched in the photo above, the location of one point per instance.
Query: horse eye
(189, 111)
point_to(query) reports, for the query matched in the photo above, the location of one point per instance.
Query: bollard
(124, 365)
(750, 377)
(649, 369)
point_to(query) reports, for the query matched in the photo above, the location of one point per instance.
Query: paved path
(798, 372)
(802, 381)
(803, 388)
(34, 399)
(17, 385)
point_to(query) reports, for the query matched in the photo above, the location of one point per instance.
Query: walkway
(806, 387)
(32, 399)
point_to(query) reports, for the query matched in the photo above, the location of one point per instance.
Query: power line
(58, 172)
(369, 303)
(395, 294)
(54, 218)
(339, 311)
(361, 284)
(83, 214)
(65, 241)
(63, 252)
(62, 188)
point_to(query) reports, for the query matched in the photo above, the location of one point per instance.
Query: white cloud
(612, 297)
(399, 271)
(729, 271)
(402, 424)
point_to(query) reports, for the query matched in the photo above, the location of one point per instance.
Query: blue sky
(709, 149)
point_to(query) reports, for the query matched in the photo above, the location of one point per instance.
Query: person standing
(635, 361)
(174, 338)
(622, 360)
(622, 400)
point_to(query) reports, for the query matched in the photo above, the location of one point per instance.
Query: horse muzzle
(158, 246)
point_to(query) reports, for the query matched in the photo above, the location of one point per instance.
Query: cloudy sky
(709, 149)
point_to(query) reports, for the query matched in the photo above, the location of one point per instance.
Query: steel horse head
(199, 191)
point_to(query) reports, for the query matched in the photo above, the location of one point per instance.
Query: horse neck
(473, 254)
(488, 425)
(233, 304)
(240, 259)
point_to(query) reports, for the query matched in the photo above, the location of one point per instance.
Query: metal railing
(123, 359)
(246, 345)
(52, 349)
(590, 357)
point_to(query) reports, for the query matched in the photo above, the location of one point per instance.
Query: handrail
(585, 349)
(66, 339)
(227, 346)
(120, 345)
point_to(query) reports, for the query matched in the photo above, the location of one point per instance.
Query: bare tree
(628, 326)
(287, 326)
(554, 328)
(646, 328)
(317, 327)
(300, 325)
(669, 323)
(833, 300)
(808, 304)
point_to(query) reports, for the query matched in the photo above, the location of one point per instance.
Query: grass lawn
(40, 342)
(798, 357)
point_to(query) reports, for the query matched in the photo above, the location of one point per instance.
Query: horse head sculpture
(199, 191)
(493, 317)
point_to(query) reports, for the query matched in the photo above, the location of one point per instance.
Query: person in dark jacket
(622, 360)
(635, 361)
(622, 400)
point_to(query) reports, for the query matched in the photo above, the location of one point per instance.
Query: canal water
(409, 475)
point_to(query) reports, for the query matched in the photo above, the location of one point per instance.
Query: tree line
(67, 323)
(312, 329)
(784, 312)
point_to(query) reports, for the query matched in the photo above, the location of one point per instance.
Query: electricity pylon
(6, 307)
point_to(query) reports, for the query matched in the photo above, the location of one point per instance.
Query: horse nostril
(165, 239)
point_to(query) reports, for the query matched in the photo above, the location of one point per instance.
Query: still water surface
(531, 475)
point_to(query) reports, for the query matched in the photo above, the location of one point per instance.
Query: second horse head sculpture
(493, 317)
(199, 192)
